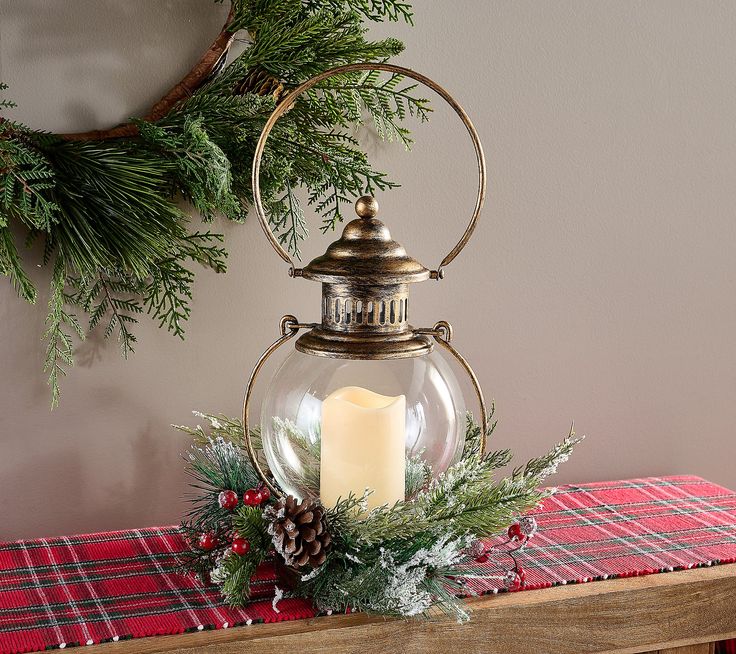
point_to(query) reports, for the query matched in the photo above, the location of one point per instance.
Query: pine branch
(111, 297)
(4, 102)
(26, 179)
(121, 311)
(60, 344)
(107, 208)
(236, 571)
(168, 295)
(12, 267)
(542, 467)
(376, 10)
(248, 523)
(203, 172)
(388, 102)
(287, 217)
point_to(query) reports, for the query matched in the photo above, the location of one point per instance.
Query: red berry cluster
(256, 496)
(207, 541)
(228, 499)
(240, 546)
(515, 532)
(252, 497)
(515, 579)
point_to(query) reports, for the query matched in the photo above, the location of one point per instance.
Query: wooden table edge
(684, 608)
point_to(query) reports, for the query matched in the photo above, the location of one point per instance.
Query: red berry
(228, 499)
(241, 546)
(207, 541)
(482, 558)
(251, 497)
(265, 493)
(521, 574)
(512, 580)
(515, 532)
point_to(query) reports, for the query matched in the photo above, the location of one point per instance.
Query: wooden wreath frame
(198, 74)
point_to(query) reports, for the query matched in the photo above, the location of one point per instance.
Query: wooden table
(674, 613)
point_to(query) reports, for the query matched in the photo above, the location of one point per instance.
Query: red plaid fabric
(59, 592)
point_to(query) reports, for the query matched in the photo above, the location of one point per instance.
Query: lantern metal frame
(369, 269)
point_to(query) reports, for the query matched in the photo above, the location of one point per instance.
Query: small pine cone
(299, 531)
(262, 83)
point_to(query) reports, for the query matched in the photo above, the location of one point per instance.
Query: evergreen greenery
(118, 243)
(406, 559)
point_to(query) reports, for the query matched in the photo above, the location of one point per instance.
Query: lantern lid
(366, 254)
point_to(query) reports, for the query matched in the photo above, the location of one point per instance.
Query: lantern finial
(366, 207)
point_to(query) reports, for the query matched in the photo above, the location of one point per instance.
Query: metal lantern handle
(442, 333)
(290, 326)
(288, 102)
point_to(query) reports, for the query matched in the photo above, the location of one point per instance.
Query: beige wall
(601, 284)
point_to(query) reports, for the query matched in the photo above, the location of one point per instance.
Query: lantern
(366, 401)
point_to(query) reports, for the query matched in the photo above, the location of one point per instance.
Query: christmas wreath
(415, 557)
(104, 203)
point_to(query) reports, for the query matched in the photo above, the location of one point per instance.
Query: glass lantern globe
(292, 415)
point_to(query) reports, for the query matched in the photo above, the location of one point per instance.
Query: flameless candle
(363, 446)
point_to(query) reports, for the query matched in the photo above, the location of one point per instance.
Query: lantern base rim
(364, 346)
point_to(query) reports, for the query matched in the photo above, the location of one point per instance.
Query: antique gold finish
(289, 327)
(365, 277)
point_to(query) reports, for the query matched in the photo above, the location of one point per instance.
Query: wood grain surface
(669, 613)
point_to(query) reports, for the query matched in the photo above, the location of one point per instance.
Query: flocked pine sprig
(407, 559)
(219, 465)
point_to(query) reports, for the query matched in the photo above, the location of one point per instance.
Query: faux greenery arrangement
(104, 203)
(416, 557)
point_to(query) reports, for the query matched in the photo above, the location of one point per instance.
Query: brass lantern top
(366, 254)
(365, 277)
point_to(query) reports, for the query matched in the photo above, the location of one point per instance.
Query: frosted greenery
(405, 559)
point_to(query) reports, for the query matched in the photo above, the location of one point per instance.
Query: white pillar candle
(363, 446)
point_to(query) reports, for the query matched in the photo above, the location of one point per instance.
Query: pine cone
(261, 82)
(299, 531)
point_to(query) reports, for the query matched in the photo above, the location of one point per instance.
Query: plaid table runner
(60, 592)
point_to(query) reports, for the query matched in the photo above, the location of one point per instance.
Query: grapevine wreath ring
(103, 203)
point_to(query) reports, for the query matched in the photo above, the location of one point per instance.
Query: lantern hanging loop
(289, 101)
